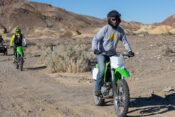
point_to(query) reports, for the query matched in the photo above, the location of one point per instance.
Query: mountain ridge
(43, 20)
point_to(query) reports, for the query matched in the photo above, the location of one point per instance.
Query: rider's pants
(101, 60)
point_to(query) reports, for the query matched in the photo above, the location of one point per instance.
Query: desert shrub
(67, 58)
(165, 50)
(67, 34)
(31, 43)
(169, 33)
(48, 44)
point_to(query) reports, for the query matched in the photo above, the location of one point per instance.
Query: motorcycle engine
(105, 89)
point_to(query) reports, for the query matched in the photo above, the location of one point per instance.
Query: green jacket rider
(17, 40)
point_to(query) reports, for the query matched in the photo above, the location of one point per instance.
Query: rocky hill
(169, 21)
(44, 21)
(41, 18)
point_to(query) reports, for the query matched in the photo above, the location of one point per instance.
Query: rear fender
(19, 51)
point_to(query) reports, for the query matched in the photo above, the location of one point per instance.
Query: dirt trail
(35, 93)
(31, 93)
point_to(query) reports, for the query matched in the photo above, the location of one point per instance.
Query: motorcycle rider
(1, 40)
(17, 40)
(106, 40)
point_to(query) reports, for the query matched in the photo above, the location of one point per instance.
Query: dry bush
(165, 50)
(31, 43)
(67, 58)
(49, 44)
(67, 34)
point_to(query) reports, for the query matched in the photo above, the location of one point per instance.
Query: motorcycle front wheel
(17, 64)
(21, 64)
(121, 97)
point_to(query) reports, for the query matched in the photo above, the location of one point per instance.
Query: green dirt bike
(114, 85)
(19, 58)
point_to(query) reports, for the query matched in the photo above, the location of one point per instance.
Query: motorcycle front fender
(119, 72)
(19, 50)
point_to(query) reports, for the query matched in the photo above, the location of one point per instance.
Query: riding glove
(97, 52)
(131, 54)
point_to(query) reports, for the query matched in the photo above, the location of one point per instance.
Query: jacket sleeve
(24, 40)
(12, 40)
(97, 38)
(125, 42)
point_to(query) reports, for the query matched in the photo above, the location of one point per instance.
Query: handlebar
(18, 46)
(106, 54)
(126, 55)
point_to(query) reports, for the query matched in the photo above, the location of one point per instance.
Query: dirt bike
(3, 49)
(19, 58)
(114, 85)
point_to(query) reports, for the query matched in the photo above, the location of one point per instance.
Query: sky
(144, 11)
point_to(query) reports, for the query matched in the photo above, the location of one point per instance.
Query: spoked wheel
(17, 62)
(21, 64)
(121, 98)
(5, 51)
(17, 66)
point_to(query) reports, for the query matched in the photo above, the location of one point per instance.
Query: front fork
(114, 88)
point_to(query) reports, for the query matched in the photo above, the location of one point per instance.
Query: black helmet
(18, 30)
(114, 14)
